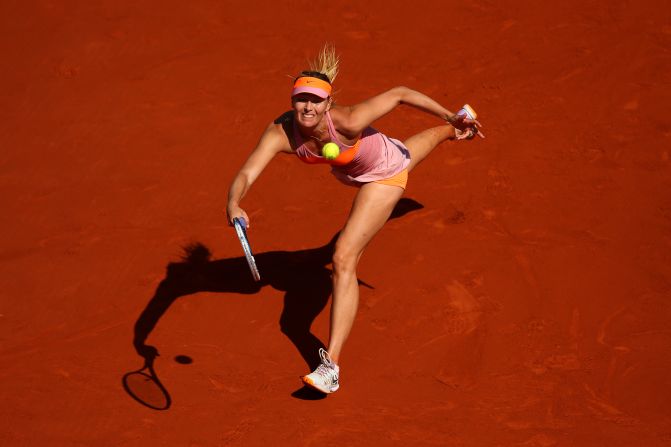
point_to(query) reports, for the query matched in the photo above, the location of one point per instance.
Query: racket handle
(241, 221)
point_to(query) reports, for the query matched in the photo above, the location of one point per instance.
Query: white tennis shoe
(325, 377)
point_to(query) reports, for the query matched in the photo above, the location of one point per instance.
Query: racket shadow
(303, 275)
(144, 386)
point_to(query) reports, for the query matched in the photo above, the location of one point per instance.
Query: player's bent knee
(344, 261)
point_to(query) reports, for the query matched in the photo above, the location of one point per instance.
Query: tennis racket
(241, 230)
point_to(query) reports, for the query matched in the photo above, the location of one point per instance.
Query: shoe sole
(469, 112)
(309, 383)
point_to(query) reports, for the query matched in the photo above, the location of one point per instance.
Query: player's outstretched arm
(355, 118)
(271, 143)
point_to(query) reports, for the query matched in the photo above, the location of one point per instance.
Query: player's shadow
(304, 276)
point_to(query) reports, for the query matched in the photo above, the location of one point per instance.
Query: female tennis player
(368, 159)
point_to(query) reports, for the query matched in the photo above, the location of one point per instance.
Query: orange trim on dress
(345, 157)
(400, 180)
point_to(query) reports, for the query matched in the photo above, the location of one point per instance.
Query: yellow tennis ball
(330, 151)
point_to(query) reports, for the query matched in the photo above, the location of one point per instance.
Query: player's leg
(423, 143)
(371, 209)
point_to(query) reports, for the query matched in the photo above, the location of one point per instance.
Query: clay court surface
(520, 296)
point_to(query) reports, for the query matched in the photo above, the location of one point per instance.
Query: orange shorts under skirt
(400, 180)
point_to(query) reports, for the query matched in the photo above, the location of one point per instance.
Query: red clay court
(520, 296)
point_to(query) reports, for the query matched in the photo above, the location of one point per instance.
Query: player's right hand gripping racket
(241, 229)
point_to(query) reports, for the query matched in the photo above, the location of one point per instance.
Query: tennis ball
(330, 151)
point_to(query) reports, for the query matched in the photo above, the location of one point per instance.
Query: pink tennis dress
(373, 157)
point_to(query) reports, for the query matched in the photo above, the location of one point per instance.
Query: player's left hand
(466, 128)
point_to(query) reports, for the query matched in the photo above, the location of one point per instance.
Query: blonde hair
(326, 62)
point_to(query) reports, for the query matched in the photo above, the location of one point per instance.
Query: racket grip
(241, 221)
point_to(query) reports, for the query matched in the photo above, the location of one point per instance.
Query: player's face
(309, 109)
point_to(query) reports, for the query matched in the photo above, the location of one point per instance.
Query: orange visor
(315, 86)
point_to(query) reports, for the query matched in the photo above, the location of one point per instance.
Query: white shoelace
(327, 367)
